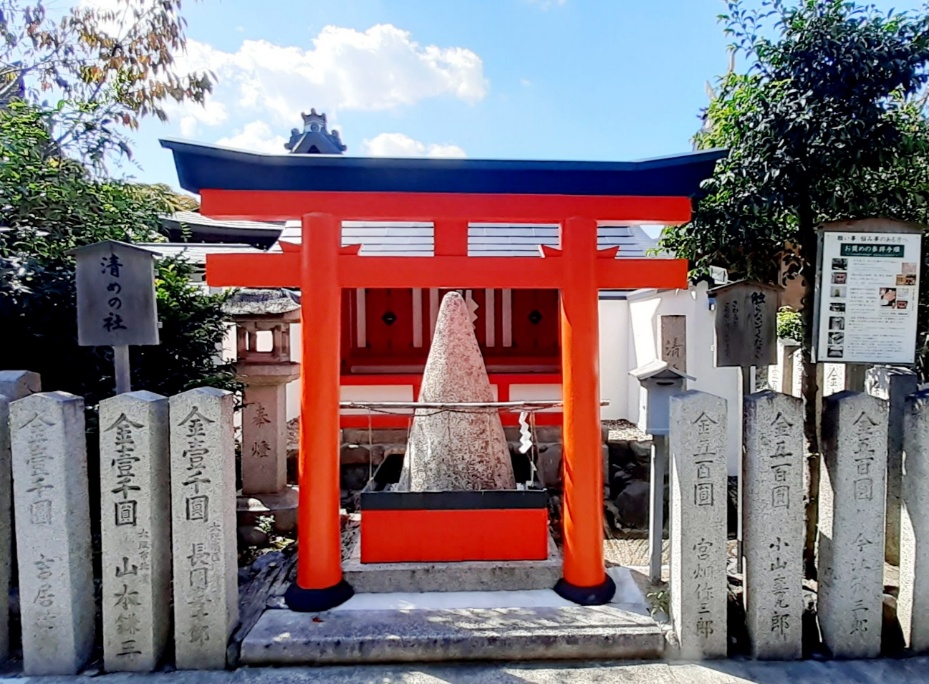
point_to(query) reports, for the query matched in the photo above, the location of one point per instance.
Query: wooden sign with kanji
(115, 295)
(746, 324)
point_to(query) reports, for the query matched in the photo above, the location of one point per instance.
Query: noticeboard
(115, 295)
(867, 292)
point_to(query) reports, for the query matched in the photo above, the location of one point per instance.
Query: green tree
(52, 206)
(820, 127)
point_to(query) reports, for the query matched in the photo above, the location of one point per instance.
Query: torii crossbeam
(321, 267)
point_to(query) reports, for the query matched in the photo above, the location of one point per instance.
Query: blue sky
(549, 79)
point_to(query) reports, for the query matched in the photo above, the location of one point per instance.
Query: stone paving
(718, 672)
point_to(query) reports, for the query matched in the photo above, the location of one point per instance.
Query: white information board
(868, 296)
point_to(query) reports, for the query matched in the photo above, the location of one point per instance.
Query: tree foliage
(51, 205)
(109, 67)
(822, 126)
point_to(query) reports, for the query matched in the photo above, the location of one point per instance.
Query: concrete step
(459, 625)
(443, 577)
(612, 632)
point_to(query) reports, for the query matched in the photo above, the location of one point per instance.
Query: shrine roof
(416, 239)
(212, 167)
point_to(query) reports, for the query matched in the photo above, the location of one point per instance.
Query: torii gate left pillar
(578, 269)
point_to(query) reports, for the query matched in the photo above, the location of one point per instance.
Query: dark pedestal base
(587, 596)
(316, 600)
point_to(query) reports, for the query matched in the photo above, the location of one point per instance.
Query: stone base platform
(377, 578)
(454, 626)
(282, 505)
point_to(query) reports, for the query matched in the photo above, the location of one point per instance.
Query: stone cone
(456, 450)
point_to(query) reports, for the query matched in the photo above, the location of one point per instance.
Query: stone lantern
(263, 319)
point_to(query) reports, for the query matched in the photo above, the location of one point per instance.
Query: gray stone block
(203, 504)
(773, 524)
(136, 533)
(698, 523)
(851, 524)
(6, 532)
(380, 578)
(53, 543)
(19, 384)
(282, 637)
(913, 600)
(894, 385)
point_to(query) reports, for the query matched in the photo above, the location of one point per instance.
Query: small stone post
(894, 385)
(698, 524)
(18, 384)
(673, 341)
(834, 379)
(851, 524)
(6, 521)
(774, 524)
(913, 601)
(13, 385)
(796, 373)
(52, 509)
(204, 533)
(135, 497)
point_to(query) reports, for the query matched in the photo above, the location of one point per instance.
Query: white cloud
(546, 5)
(256, 136)
(211, 113)
(400, 145)
(378, 69)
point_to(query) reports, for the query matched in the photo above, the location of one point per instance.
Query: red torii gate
(321, 267)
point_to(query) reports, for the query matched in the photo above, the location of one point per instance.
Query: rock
(812, 643)
(737, 633)
(252, 536)
(456, 450)
(893, 643)
(732, 507)
(354, 454)
(642, 452)
(548, 464)
(632, 506)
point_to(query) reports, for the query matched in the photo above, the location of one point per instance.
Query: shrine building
(386, 332)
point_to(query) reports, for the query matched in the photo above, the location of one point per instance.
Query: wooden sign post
(746, 336)
(116, 301)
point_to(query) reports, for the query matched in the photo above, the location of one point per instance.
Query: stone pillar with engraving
(52, 507)
(851, 524)
(894, 385)
(672, 339)
(913, 600)
(203, 527)
(13, 385)
(774, 524)
(136, 533)
(263, 319)
(698, 524)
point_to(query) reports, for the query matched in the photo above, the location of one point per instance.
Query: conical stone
(456, 449)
